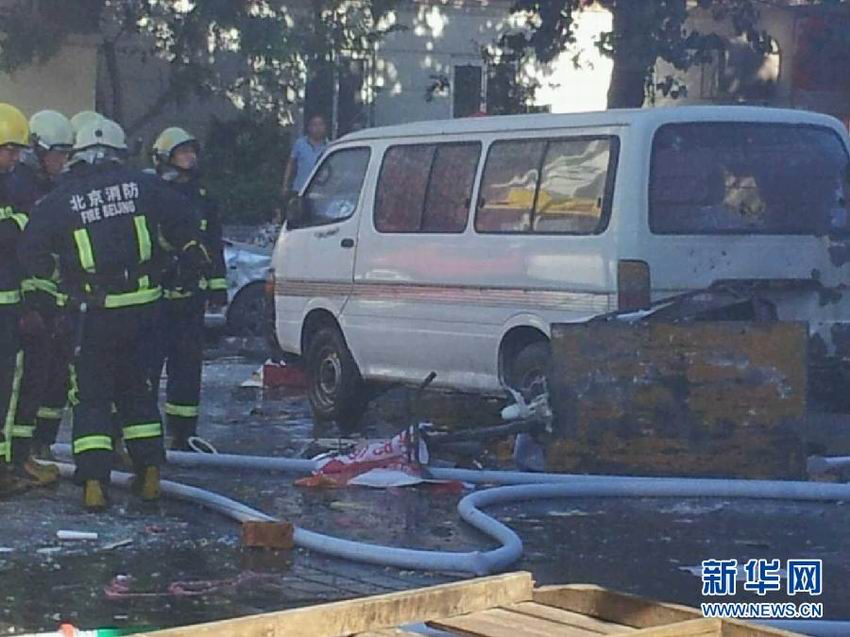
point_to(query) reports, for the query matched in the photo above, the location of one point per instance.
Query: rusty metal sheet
(698, 399)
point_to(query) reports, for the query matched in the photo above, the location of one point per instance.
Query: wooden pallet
(500, 606)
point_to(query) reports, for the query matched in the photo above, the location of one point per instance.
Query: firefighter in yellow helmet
(180, 333)
(14, 137)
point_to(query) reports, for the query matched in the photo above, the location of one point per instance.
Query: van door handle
(347, 243)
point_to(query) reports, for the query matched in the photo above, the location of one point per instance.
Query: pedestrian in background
(305, 154)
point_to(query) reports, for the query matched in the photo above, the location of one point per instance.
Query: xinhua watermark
(800, 578)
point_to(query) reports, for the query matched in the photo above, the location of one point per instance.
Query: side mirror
(294, 211)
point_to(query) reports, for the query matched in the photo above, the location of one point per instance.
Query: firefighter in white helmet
(112, 226)
(83, 118)
(45, 336)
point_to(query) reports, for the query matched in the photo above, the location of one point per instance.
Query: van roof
(615, 117)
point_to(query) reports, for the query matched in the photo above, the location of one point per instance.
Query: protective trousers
(180, 346)
(11, 372)
(45, 388)
(109, 369)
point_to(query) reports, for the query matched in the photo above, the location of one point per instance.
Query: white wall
(440, 36)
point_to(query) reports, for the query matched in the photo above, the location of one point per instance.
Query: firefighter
(52, 137)
(108, 223)
(46, 348)
(14, 136)
(180, 334)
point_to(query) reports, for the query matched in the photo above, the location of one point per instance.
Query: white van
(452, 246)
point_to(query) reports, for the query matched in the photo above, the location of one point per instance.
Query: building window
(466, 93)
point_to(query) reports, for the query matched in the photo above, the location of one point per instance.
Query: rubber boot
(10, 484)
(37, 473)
(122, 458)
(94, 496)
(146, 485)
(180, 443)
(42, 451)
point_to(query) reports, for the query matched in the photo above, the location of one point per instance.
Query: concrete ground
(173, 564)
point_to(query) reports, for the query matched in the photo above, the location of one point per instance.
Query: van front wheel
(334, 385)
(528, 370)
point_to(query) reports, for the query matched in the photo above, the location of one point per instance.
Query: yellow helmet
(51, 130)
(14, 130)
(81, 119)
(168, 140)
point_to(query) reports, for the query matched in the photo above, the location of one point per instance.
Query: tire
(528, 370)
(248, 313)
(334, 386)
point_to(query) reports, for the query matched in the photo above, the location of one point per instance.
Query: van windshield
(742, 178)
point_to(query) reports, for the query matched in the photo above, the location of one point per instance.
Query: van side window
(426, 187)
(334, 191)
(509, 186)
(401, 188)
(450, 187)
(558, 186)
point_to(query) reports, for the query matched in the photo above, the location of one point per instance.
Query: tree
(643, 32)
(253, 52)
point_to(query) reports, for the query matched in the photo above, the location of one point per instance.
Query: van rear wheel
(334, 386)
(527, 371)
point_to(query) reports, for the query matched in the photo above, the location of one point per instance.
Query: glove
(192, 264)
(31, 323)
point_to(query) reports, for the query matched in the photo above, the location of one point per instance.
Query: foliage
(254, 52)
(243, 163)
(643, 32)
(511, 88)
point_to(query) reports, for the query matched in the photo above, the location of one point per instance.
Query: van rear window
(748, 178)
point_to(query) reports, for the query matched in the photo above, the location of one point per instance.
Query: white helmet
(103, 133)
(81, 119)
(50, 130)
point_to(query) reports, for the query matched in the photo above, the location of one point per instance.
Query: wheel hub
(330, 371)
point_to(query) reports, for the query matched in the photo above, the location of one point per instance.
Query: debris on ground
(275, 374)
(379, 464)
(268, 535)
(122, 586)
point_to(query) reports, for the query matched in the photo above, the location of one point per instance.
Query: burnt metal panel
(719, 398)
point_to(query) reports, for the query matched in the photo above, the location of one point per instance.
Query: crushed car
(247, 311)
